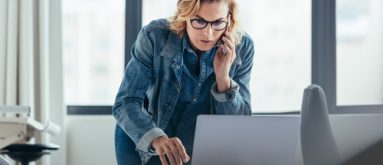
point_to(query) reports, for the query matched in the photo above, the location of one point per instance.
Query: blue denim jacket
(154, 72)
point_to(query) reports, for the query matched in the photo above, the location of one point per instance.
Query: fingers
(230, 55)
(172, 149)
(228, 42)
(229, 47)
(163, 159)
(171, 155)
(181, 149)
(224, 50)
(161, 153)
(175, 155)
(228, 35)
(228, 38)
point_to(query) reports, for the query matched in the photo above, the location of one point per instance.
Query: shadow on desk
(371, 156)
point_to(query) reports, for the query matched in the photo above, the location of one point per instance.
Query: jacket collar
(172, 49)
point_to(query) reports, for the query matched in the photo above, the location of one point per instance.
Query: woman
(198, 62)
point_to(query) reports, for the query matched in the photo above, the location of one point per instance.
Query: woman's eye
(218, 23)
(200, 21)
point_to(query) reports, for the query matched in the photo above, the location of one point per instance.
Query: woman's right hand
(172, 148)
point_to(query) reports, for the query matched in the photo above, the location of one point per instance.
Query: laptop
(3, 161)
(247, 140)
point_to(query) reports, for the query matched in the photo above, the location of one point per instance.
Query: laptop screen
(246, 140)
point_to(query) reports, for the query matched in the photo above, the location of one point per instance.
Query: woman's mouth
(206, 41)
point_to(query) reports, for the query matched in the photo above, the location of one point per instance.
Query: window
(93, 50)
(282, 34)
(281, 31)
(359, 52)
(282, 65)
(154, 9)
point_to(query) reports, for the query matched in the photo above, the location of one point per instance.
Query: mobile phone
(224, 50)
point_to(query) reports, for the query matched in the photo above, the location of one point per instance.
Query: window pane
(359, 52)
(93, 46)
(281, 31)
(155, 9)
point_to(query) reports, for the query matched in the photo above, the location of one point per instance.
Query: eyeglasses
(199, 23)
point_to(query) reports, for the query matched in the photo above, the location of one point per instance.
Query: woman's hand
(223, 62)
(172, 148)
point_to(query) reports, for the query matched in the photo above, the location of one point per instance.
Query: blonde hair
(189, 8)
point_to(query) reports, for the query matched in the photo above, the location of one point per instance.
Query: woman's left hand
(223, 62)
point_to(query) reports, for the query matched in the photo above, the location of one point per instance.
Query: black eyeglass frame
(208, 22)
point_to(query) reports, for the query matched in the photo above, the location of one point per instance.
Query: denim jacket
(154, 74)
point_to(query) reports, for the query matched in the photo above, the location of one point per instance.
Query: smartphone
(224, 50)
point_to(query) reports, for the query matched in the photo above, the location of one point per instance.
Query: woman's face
(205, 39)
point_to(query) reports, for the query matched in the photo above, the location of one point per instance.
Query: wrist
(223, 84)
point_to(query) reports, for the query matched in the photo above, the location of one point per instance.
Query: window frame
(323, 54)
(133, 16)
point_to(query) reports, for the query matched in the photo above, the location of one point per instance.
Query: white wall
(90, 140)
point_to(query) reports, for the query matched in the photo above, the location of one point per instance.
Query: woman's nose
(207, 31)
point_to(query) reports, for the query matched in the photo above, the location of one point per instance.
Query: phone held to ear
(224, 50)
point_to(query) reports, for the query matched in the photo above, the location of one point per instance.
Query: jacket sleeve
(127, 109)
(236, 101)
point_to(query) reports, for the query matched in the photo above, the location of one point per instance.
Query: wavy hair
(189, 8)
